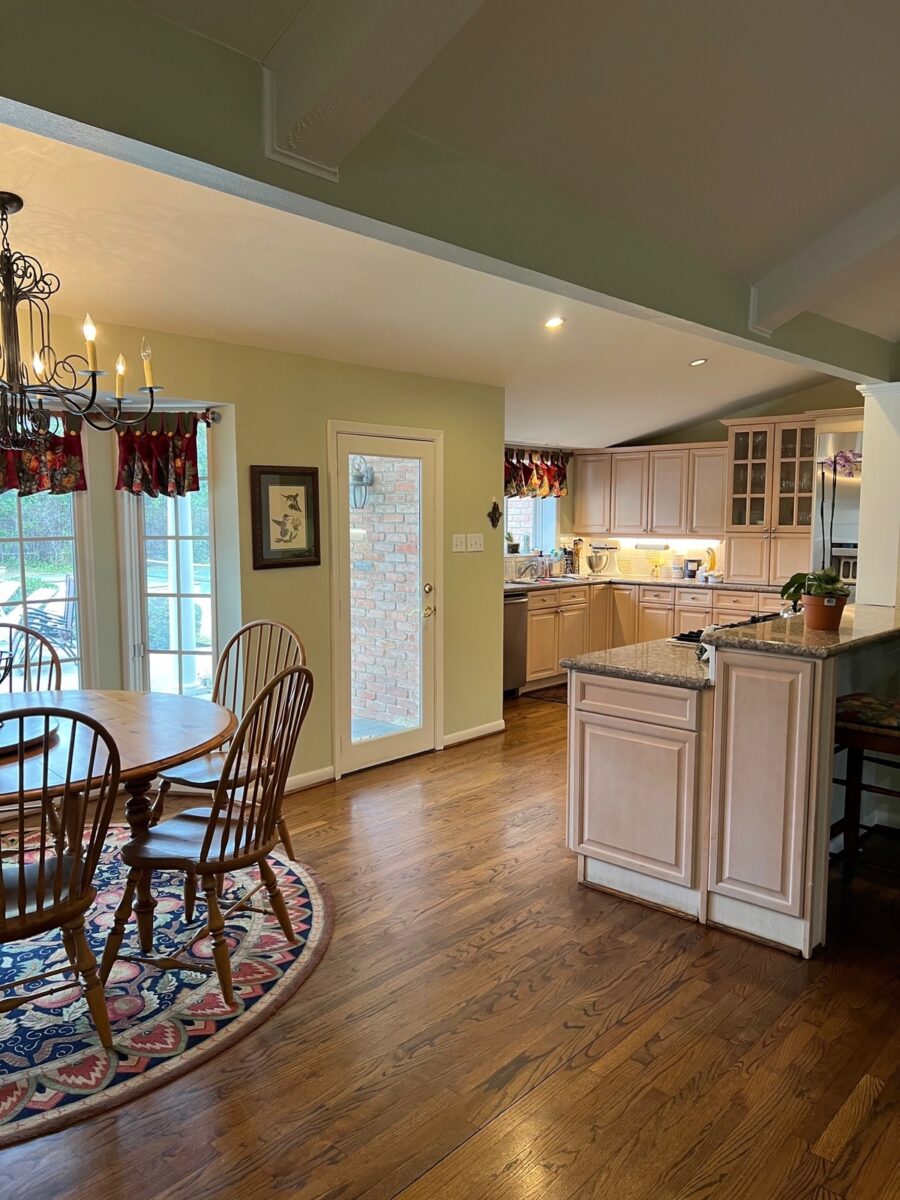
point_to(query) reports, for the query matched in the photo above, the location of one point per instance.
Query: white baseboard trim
(477, 731)
(299, 783)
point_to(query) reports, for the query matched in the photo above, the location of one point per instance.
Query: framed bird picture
(284, 505)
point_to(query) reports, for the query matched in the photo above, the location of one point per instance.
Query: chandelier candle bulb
(146, 355)
(37, 366)
(90, 341)
(120, 377)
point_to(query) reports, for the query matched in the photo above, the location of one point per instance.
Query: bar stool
(866, 727)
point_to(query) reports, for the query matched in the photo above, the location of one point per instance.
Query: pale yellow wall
(281, 405)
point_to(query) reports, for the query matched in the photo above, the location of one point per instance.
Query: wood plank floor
(482, 1027)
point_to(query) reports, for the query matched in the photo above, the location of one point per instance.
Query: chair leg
(220, 884)
(190, 896)
(93, 988)
(143, 910)
(156, 811)
(852, 810)
(277, 900)
(284, 835)
(221, 953)
(115, 935)
(69, 947)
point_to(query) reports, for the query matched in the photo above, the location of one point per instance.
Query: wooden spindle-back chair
(240, 828)
(35, 665)
(47, 864)
(252, 657)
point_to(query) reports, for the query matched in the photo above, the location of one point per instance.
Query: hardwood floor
(482, 1027)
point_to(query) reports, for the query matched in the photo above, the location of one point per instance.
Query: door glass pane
(741, 446)
(807, 442)
(806, 476)
(740, 479)
(788, 477)
(789, 443)
(739, 512)
(760, 443)
(758, 479)
(757, 511)
(386, 598)
(786, 510)
(804, 510)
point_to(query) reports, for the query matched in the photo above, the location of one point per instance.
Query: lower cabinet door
(689, 619)
(790, 553)
(542, 658)
(760, 778)
(747, 557)
(654, 623)
(635, 795)
(573, 631)
(623, 615)
(598, 622)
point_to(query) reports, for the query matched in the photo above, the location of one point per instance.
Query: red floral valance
(539, 474)
(159, 457)
(58, 467)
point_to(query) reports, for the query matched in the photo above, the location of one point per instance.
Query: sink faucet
(529, 566)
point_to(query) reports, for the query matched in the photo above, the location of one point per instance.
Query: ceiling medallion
(32, 393)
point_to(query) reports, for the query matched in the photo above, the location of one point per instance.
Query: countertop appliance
(604, 560)
(515, 641)
(846, 506)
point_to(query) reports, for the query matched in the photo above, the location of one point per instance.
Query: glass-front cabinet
(771, 477)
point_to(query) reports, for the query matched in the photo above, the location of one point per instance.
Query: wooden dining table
(154, 731)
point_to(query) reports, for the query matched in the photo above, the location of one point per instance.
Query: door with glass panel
(387, 602)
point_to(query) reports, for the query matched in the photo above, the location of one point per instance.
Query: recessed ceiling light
(698, 362)
(554, 322)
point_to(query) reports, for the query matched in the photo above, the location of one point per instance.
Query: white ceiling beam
(793, 285)
(341, 65)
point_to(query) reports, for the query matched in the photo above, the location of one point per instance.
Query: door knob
(428, 589)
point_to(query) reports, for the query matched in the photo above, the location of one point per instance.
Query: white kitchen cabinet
(592, 493)
(765, 558)
(630, 479)
(760, 779)
(689, 619)
(623, 615)
(788, 554)
(655, 621)
(706, 502)
(558, 627)
(598, 625)
(572, 631)
(542, 658)
(669, 484)
(634, 799)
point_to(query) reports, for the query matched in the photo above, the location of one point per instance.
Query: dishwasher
(515, 641)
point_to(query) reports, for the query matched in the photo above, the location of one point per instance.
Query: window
(536, 520)
(169, 587)
(38, 572)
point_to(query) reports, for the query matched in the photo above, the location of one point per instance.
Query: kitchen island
(706, 789)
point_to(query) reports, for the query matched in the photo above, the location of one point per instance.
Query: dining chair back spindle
(32, 660)
(239, 829)
(48, 861)
(252, 657)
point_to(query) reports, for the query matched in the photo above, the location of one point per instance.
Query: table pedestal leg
(138, 811)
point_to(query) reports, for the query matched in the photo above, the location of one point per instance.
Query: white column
(879, 509)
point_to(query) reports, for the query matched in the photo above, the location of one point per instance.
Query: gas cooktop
(693, 636)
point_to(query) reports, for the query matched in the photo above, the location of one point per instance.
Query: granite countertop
(661, 662)
(528, 585)
(862, 625)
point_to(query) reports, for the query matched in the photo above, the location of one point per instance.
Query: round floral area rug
(53, 1070)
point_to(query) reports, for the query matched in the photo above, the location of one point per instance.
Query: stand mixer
(604, 560)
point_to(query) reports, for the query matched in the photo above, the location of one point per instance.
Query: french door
(387, 601)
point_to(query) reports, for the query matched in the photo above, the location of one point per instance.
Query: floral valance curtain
(56, 467)
(539, 474)
(159, 457)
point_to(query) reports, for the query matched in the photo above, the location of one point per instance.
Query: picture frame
(284, 507)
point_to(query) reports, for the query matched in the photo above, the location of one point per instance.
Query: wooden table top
(152, 730)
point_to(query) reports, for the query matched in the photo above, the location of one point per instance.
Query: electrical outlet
(474, 541)
(459, 543)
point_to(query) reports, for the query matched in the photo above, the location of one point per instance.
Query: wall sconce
(495, 513)
(361, 479)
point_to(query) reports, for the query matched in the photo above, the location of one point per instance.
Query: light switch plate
(474, 541)
(459, 543)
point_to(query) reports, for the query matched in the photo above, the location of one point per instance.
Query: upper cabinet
(630, 480)
(771, 476)
(592, 493)
(677, 491)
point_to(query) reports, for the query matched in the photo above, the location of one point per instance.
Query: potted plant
(512, 547)
(822, 593)
(823, 597)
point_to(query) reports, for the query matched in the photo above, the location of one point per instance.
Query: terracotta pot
(823, 612)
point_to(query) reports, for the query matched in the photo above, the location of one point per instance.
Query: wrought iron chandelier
(68, 384)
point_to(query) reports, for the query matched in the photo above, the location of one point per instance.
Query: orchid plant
(825, 581)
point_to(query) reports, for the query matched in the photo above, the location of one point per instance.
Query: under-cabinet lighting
(554, 322)
(698, 362)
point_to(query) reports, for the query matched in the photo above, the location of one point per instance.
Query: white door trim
(363, 429)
